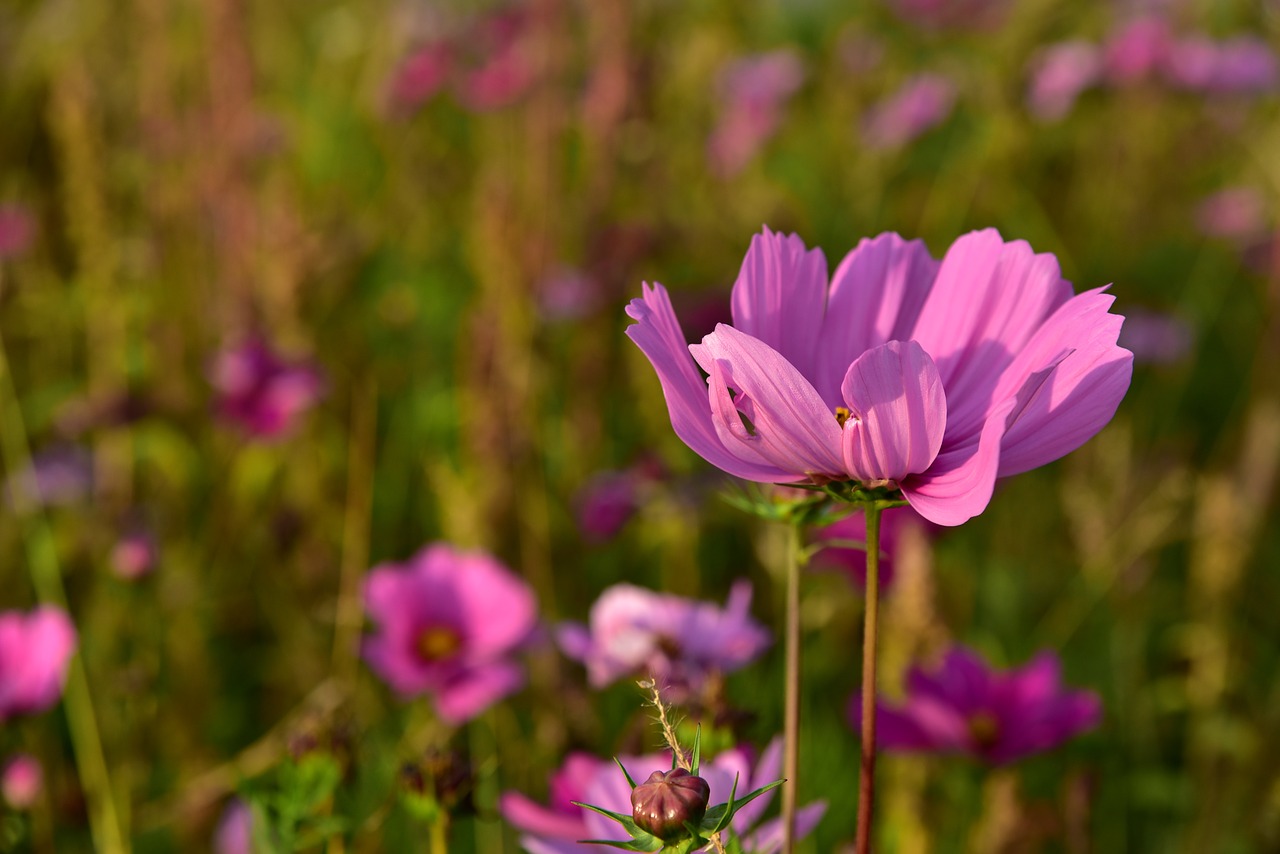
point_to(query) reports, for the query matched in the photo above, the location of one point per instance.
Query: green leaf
(620, 818)
(732, 807)
(630, 782)
(697, 750)
(633, 845)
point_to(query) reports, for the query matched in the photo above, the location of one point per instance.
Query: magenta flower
(503, 67)
(853, 561)
(449, 624)
(35, 650)
(966, 707)
(920, 104)
(234, 834)
(22, 781)
(17, 230)
(1241, 65)
(556, 829)
(1059, 73)
(678, 642)
(134, 554)
(1138, 50)
(754, 91)
(261, 392)
(422, 75)
(932, 378)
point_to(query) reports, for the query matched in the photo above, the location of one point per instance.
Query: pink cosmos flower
(21, 781)
(1138, 50)
(556, 829)
(234, 834)
(449, 623)
(1240, 65)
(853, 561)
(423, 74)
(966, 707)
(753, 92)
(1059, 74)
(17, 230)
(678, 642)
(35, 650)
(261, 392)
(920, 104)
(504, 68)
(134, 554)
(931, 377)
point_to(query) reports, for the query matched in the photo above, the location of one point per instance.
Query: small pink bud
(663, 803)
(22, 781)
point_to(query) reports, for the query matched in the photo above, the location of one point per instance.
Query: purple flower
(261, 392)
(1240, 65)
(21, 781)
(753, 92)
(1059, 74)
(35, 650)
(17, 230)
(59, 475)
(610, 498)
(934, 378)
(234, 834)
(966, 707)
(853, 561)
(677, 641)
(923, 102)
(1156, 337)
(449, 622)
(556, 829)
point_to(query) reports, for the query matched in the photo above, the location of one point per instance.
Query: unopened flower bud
(663, 803)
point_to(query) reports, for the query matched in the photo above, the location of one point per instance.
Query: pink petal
(959, 484)
(483, 588)
(780, 294)
(659, 337)
(989, 298)
(876, 296)
(531, 817)
(899, 412)
(768, 839)
(1056, 413)
(476, 690)
(794, 429)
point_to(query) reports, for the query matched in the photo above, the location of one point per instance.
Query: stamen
(843, 414)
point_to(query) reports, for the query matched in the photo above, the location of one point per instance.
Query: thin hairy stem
(867, 770)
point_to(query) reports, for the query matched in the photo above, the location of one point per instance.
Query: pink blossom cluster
(488, 64)
(1147, 49)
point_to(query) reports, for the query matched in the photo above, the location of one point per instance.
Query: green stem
(791, 713)
(46, 578)
(440, 833)
(867, 769)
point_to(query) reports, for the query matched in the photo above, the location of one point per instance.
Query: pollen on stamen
(843, 414)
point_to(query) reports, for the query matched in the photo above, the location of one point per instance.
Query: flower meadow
(551, 426)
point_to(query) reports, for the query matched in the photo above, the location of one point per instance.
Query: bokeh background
(422, 220)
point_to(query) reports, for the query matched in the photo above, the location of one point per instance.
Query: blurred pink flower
(1236, 213)
(1240, 65)
(752, 94)
(35, 650)
(610, 498)
(853, 561)
(964, 706)
(56, 476)
(21, 781)
(1137, 50)
(568, 293)
(556, 828)
(17, 230)
(234, 834)
(1156, 337)
(678, 642)
(503, 69)
(932, 378)
(1059, 73)
(134, 554)
(449, 621)
(261, 392)
(422, 75)
(922, 103)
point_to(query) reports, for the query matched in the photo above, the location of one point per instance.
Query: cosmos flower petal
(476, 689)
(791, 426)
(876, 296)
(899, 412)
(989, 298)
(531, 817)
(658, 335)
(959, 484)
(35, 652)
(1071, 378)
(768, 839)
(780, 294)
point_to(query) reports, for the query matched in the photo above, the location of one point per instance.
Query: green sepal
(621, 818)
(718, 817)
(630, 782)
(697, 751)
(653, 843)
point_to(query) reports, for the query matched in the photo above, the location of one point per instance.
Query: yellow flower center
(438, 643)
(984, 730)
(843, 414)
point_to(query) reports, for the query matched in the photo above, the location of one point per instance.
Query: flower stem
(867, 772)
(791, 713)
(46, 578)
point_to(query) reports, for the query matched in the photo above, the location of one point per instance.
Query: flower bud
(662, 804)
